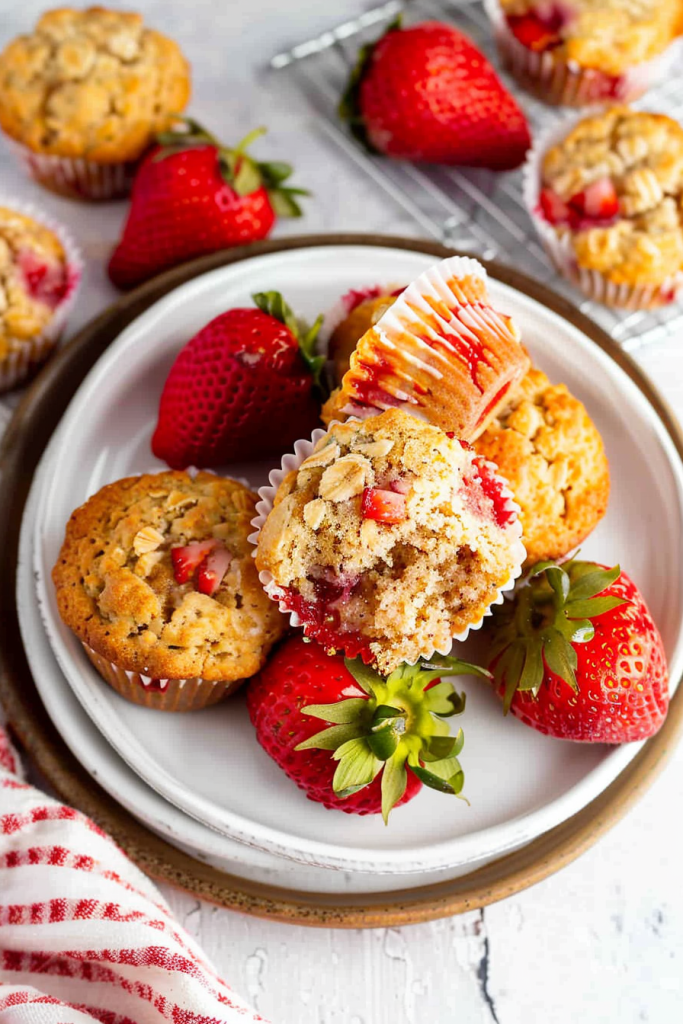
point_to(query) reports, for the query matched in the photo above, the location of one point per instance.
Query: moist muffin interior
(642, 155)
(117, 590)
(403, 589)
(33, 278)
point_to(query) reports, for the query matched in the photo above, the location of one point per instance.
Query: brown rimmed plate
(26, 438)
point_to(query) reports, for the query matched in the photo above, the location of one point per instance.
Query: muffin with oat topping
(83, 95)
(389, 540)
(39, 273)
(156, 578)
(551, 454)
(607, 199)
(576, 52)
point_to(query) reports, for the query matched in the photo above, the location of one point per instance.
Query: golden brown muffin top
(642, 154)
(550, 452)
(117, 590)
(610, 35)
(33, 278)
(91, 83)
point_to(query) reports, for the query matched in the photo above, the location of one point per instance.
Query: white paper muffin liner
(592, 283)
(75, 177)
(160, 694)
(21, 363)
(566, 83)
(292, 461)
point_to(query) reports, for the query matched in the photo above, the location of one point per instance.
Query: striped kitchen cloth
(84, 935)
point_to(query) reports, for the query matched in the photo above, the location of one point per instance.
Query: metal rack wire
(475, 210)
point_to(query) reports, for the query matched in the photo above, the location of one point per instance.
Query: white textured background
(601, 942)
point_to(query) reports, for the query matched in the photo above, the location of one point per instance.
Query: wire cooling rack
(476, 210)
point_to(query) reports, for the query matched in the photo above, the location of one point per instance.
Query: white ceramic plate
(209, 764)
(165, 819)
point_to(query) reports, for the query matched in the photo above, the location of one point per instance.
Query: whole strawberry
(382, 738)
(577, 655)
(243, 388)
(427, 93)
(193, 196)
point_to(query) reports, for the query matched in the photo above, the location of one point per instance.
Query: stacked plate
(201, 780)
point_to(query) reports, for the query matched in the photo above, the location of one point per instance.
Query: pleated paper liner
(592, 283)
(292, 461)
(161, 694)
(76, 177)
(567, 83)
(26, 355)
(440, 352)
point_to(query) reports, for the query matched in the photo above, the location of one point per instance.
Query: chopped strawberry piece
(597, 202)
(553, 208)
(188, 558)
(212, 570)
(384, 506)
(533, 32)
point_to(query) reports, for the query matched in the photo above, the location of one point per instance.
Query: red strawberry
(427, 93)
(243, 388)
(193, 196)
(553, 208)
(186, 560)
(384, 506)
(383, 738)
(599, 201)
(533, 32)
(212, 570)
(601, 681)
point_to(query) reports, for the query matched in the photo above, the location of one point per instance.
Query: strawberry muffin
(351, 329)
(388, 540)
(606, 198)
(576, 52)
(83, 95)
(440, 352)
(39, 273)
(550, 452)
(156, 578)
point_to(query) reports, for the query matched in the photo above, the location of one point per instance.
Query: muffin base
(566, 83)
(77, 178)
(592, 283)
(161, 694)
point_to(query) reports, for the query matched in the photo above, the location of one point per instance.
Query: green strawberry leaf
(560, 657)
(384, 741)
(247, 177)
(592, 607)
(365, 676)
(394, 782)
(592, 582)
(439, 747)
(342, 713)
(332, 738)
(357, 767)
(532, 672)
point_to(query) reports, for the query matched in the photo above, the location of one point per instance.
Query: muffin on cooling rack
(551, 454)
(387, 538)
(606, 197)
(440, 352)
(576, 52)
(40, 269)
(82, 96)
(156, 578)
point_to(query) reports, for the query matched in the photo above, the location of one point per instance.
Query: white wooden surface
(602, 941)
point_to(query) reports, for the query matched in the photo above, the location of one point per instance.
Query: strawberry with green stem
(382, 739)
(192, 195)
(577, 655)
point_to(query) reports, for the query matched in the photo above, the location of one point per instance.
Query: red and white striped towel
(84, 935)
